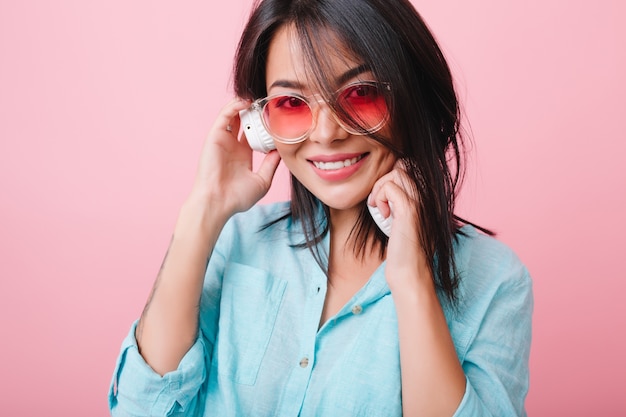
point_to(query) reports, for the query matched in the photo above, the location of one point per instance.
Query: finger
(400, 164)
(268, 167)
(379, 198)
(398, 198)
(402, 179)
(377, 186)
(228, 117)
(397, 176)
(402, 208)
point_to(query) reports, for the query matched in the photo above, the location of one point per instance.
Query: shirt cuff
(136, 389)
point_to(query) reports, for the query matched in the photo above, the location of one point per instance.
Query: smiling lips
(335, 165)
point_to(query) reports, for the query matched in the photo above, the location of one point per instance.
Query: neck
(342, 222)
(342, 243)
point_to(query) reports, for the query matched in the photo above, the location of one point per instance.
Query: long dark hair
(393, 41)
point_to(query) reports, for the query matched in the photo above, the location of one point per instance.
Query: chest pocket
(250, 302)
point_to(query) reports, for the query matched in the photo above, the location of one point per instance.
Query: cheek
(386, 157)
(287, 154)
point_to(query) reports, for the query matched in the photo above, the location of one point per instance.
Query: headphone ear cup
(258, 138)
(383, 223)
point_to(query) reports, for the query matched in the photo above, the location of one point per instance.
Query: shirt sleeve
(496, 360)
(137, 390)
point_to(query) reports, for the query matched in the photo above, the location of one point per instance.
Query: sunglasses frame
(314, 101)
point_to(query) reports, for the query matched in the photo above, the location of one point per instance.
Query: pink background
(104, 106)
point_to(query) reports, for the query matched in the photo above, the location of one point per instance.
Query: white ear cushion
(383, 223)
(257, 136)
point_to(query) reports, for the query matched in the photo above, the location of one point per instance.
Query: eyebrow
(351, 73)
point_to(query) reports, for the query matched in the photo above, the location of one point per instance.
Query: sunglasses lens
(364, 107)
(361, 108)
(288, 117)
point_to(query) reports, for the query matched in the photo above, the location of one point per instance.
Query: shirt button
(357, 309)
(304, 362)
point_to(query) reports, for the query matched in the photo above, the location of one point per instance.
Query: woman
(306, 307)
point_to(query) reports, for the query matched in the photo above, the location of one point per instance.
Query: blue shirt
(260, 351)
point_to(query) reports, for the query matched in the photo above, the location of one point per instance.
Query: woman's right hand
(225, 178)
(224, 184)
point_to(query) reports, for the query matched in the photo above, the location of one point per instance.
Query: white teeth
(328, 166)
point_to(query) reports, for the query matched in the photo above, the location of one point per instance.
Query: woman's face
(339, 168)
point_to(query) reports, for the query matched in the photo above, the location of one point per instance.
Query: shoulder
(489, 271)
(483, 258)
(495, 295)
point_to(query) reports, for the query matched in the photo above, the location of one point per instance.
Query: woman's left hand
(394, 195)
(430, 369)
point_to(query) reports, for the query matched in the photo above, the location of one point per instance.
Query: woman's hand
(394, 195)
(433, 382)
(225, 178)
(224, 185)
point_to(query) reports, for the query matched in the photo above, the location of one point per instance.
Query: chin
(341, 201)
(342, 207)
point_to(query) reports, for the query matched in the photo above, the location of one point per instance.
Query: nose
(326, 129)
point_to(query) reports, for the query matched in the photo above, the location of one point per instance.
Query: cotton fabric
(260, 350)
